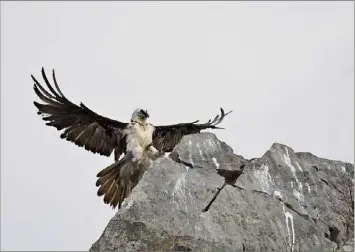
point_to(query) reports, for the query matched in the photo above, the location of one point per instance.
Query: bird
(135, 144)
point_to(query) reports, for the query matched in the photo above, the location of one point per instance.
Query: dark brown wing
(81, 125)
(167, 136)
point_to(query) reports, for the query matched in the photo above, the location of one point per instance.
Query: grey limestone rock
(203, 197)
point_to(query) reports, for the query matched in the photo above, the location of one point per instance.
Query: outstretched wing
(167, 136)
(81, 125)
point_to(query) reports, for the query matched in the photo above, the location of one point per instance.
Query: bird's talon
(161, 153)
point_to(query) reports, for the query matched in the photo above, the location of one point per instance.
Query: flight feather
(79, 124)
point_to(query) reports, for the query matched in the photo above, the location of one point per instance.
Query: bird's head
(140, 115)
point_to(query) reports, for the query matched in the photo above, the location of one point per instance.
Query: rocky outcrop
(348, 246)
(206, 198)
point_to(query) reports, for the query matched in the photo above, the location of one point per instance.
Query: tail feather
(116, 198)
(105, 187)
(110, 193)
(108, 169)
(102, 179)
(116, 181)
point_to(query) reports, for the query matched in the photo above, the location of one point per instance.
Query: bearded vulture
(139, 141)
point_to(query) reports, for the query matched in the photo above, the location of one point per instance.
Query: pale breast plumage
(138, 135)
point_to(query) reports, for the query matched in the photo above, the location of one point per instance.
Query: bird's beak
(145, 113)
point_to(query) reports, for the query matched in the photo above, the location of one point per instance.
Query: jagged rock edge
(229, 176)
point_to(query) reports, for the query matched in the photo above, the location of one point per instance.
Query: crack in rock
(178, 247)
(304, 216)
(230, 177)
(325, 181)
(289, 206)
(315, 167)
(214, 198)
(175, 157)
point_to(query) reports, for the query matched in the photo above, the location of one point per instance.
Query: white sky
(285, 68)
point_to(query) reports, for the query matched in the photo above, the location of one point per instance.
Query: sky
(286, 69)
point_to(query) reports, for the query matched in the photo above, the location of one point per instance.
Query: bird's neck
(142, 122)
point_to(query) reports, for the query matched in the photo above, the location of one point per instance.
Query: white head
(139, 115)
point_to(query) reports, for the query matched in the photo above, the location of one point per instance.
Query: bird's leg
(154, 152)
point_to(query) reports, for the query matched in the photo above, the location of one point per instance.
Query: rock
(348, 246)
(206, 198)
